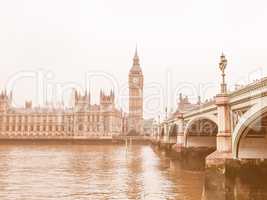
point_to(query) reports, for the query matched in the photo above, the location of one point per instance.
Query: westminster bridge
(233, 123)
(232, 126)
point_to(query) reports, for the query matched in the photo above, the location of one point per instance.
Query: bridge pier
(224, 139)
(217, 181)
(228, 178)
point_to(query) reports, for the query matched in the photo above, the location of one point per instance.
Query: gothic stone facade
(83, 120)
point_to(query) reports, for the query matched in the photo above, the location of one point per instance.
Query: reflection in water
(93, 172)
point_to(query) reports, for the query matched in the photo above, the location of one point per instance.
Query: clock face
(135, 80)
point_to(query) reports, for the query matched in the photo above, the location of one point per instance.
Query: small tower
(107, 101)
(136, 81)
(82, 101)
(28, 104)
(5, 101)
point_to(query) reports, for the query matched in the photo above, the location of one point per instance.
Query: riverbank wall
(74, 141)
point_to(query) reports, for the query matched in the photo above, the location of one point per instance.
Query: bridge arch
(249, 138)
(194, 130)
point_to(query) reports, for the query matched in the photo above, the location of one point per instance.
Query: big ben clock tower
(136, 82)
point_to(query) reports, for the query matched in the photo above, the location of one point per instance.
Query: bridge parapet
(254, 86)
(201, 110)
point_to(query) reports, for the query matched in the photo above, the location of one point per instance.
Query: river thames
(99, 172)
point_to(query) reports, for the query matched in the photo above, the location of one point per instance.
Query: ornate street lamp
(222, 66)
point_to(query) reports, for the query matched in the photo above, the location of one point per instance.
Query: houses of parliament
(82, 120)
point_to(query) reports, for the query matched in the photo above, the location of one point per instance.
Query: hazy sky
(179, 43)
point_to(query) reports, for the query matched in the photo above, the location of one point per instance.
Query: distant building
(83, 120)
(184, 105)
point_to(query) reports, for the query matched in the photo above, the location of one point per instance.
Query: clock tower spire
(136, 82)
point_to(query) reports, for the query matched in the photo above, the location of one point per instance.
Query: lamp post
(222, 66)
(222, 102)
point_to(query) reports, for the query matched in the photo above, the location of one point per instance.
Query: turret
(5, 101)
(107, 99)
(82, 100)
(28, 104)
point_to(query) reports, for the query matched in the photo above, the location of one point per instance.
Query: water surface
(99, 172)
